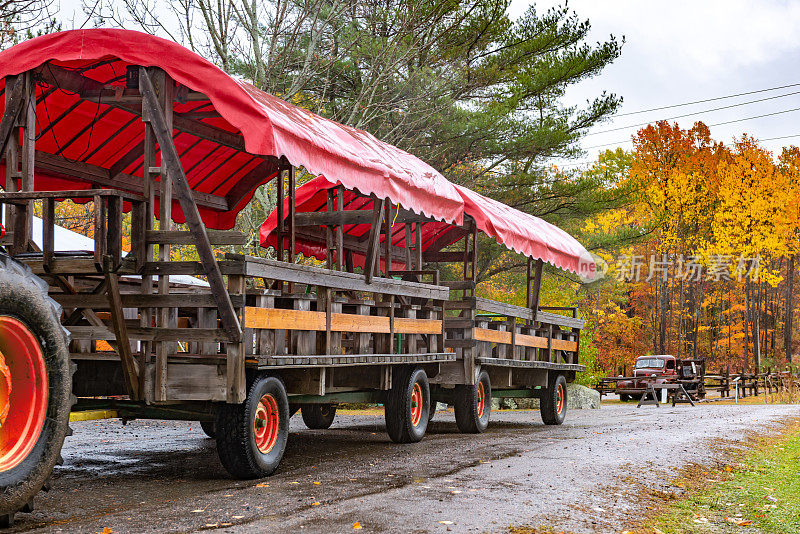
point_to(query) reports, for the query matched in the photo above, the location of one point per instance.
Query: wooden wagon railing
(510, 336)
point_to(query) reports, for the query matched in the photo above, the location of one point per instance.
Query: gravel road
(584, 476)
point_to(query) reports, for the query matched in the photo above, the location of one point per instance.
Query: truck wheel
(407, 406)
(35, 387)
(209, 428)
(553, 404)
(318, 416)
(252, 436)
(473, 404)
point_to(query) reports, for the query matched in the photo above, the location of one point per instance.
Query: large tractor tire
(407, 406)
(251, 437)
(35, 387)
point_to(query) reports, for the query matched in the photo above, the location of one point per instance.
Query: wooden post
(22, 226)
(123, 345)
(373, 244)
(292, 208)
(235, 353)
(170, 158)
(329, 248)
(387, 240)
(48, 231)
(534, 286)
(409, 261)
(418, 245)
(14, 101)
(146, 224)
(339, 229)
(281, 217)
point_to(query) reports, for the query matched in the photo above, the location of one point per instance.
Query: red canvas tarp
(99, 134)
(312, 197)
(518, 231)
(525, 233)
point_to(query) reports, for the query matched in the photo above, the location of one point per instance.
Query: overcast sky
(678, 51)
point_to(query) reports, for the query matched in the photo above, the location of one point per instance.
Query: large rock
(578, 398)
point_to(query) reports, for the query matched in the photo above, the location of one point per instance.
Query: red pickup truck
(664, 369)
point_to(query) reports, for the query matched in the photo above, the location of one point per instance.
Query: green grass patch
(758, 493)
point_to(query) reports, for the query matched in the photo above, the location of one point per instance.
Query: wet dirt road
(584, 476)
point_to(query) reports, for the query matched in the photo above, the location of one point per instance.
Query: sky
(679, 51)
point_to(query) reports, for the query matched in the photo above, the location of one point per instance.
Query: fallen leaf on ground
(738, 521)
(317, 483)
(445, 522)
(357, 526)
(262, 485)
(315, 503)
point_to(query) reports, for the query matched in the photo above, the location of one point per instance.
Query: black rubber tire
(24, 296)
(209, 428)
(466, 405)
(548, 404)
(235, 429)
(397, 409)
(624, 397)
(318, 416)
(432, 411)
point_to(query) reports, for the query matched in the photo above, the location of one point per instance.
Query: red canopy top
(93, 124)
(312, 197)
(525, 233)
(516, 230)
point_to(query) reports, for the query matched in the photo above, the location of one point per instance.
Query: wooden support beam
(180, 237)
(373, 244)
(48, 230)
(59, 166)
(534, 284)
(183, 191)
(14, 101)
(338, 218)
(123, 344)
(339, 229)
(261, 173)
(448, 237)
(126, 160)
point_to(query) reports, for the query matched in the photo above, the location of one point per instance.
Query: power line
(696, 113)
(710, 125)
(707, 100)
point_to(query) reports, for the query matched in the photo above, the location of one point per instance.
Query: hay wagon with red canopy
(168, 149)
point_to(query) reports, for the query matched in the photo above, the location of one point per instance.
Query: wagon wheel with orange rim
(553, 402)
(251, 437)
(407, 405)
(473, 404)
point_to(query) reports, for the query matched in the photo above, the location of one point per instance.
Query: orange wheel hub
(267, 423)
(481, 400)
(23, 391)
(560, 398)
(416, 405)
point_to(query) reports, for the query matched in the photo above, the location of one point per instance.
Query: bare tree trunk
(787, 325)
(746, 324)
